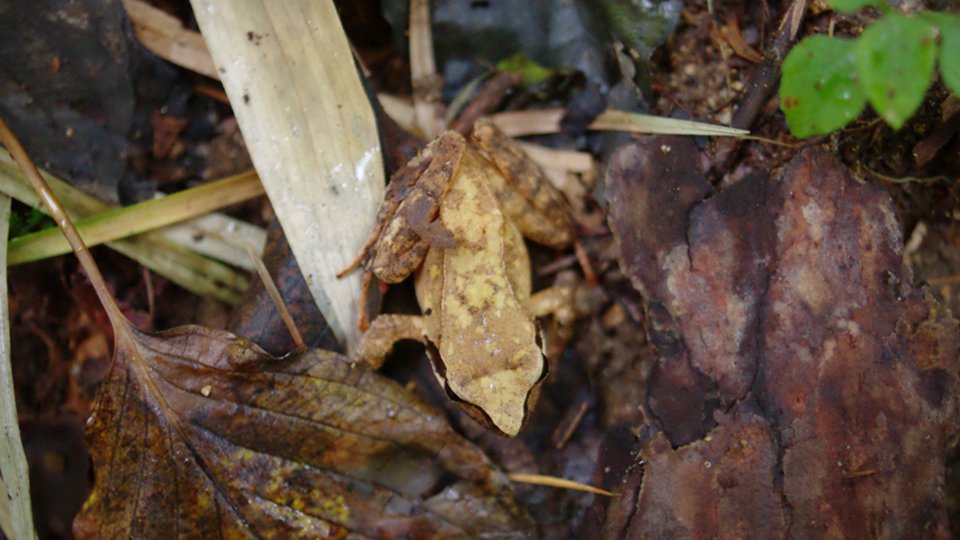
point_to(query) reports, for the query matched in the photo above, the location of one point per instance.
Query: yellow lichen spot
(479, 293)
(335, 507)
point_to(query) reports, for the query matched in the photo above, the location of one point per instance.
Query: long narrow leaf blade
(290, 75)
(16, 519)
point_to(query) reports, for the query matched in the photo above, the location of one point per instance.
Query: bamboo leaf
(289, 71)
(16, 519)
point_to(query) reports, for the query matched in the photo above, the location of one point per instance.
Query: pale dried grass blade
(190, 270)
(566, 160)
(521, 123)
(399, 109)
(613, 120)
(214, 234)
(544, 121)
(122, 222)
(561, 483)
(220, 237)
(290, 74)
(165, 36)
(16, 519)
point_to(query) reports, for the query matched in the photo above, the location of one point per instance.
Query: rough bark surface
(805, 388)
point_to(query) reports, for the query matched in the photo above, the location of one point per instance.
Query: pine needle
(562, 483)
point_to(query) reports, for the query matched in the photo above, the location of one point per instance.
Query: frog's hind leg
(384, 332)
(559, 302)
(556, 301)
(527, 196)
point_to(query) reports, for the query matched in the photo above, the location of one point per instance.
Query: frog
(456, 217)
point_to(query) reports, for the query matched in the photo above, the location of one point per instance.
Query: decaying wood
(805, 387)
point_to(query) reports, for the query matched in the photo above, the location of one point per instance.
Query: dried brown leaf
(198, 433)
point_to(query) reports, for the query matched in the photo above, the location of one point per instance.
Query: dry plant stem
(564, 438)
(117, 319)
(762, 84)
(423, 69)
(553, 481)
(490, 95)
(16, 520)
(151, 297)
(271, 287)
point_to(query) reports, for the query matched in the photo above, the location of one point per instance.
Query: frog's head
(500, 400)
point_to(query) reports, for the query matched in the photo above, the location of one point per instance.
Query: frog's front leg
(384, 332)
(526, 196)
(408, 223)
(415, 225)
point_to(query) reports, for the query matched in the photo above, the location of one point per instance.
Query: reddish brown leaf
(200, 434)
(805, 387)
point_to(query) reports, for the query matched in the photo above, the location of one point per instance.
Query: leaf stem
(19, 155)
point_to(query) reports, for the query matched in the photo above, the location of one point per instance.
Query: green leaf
(27, 221)
(849, 6)
(530, 72)
(819, 92)
(895, 60)
(950, 50)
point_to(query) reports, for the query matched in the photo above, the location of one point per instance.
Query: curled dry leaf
(805, 387)
(198, 433)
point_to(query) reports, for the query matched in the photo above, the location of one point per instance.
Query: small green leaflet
(895, 59)
(850, 6)
(819, 92)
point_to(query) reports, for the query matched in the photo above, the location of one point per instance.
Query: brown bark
(805, 388)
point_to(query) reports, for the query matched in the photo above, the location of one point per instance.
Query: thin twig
(271, 287)
(571, 426)
(117, 319)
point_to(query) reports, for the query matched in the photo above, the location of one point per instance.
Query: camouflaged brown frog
(457, 215)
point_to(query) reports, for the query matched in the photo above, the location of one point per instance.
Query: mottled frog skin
(457, 215)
